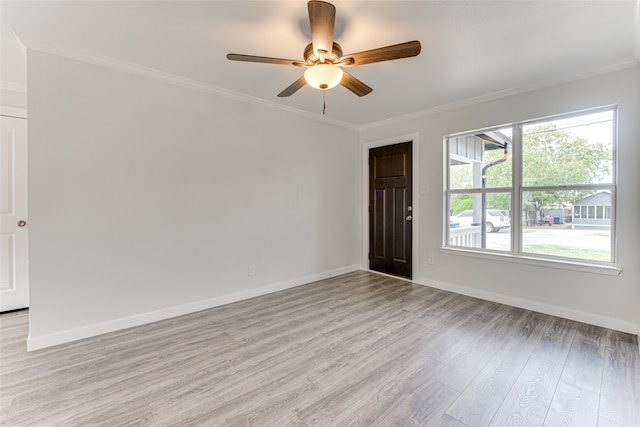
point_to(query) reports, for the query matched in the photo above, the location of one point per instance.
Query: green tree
(559, 157)
(550, 157)
(460, 203)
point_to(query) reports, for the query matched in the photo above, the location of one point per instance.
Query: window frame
(517, 190)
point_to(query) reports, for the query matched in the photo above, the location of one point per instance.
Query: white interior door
(14, 261)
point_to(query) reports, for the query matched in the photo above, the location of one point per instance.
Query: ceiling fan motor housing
(310, 58)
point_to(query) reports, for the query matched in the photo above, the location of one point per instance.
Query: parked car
(495, 219)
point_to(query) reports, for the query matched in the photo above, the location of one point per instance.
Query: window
(543, 188)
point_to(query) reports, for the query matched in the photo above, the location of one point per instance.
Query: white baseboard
(88, 331)
(540, 307)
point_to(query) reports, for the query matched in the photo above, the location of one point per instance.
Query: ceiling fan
(323, 58)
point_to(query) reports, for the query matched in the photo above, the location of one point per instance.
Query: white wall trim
(415, 153)
(13, 86)
(108, 62)
(88, 331)
(19, 113)
(609, 68)
(537, 306)
(150, 73)
(560, 264)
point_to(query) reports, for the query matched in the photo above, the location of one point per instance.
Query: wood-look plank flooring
(358, 349)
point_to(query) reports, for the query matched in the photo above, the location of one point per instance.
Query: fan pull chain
(324, 102)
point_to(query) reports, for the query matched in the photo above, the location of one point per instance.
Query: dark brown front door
(390, 211)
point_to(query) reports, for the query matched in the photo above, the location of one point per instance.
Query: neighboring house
(593, 211)
(560, 216)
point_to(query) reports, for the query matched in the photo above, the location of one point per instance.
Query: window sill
(609, 270)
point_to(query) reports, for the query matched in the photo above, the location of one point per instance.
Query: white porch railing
(468, 237)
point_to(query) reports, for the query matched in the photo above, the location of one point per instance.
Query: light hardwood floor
(359, 349)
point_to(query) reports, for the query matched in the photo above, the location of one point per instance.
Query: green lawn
(569, 251)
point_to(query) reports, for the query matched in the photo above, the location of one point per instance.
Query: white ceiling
(470, 49)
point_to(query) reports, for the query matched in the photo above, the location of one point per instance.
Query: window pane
(553, 227)
(565, 179)
(480, 160)
(576, 150)
(466, 226)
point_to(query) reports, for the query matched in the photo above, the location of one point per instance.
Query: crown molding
(151, 73)
(608, 68)
(128, 67)
(13, 86)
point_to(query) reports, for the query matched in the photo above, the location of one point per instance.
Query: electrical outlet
(430, 259)
(252, 270)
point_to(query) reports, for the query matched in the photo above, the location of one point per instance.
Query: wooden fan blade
(263, 59)
(387, 53)
(293, 88)
(322, 18)
(354, 85)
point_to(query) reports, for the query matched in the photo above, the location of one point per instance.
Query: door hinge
(369, 255)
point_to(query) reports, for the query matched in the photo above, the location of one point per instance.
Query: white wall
(146, 196)
(611, 301)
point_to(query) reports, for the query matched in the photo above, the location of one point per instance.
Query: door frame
(415, 256)
(21, 113)
(18, 113)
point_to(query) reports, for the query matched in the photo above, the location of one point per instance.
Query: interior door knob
(22, 223)
(409, 218)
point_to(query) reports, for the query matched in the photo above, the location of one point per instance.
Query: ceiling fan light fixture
(323, 76)
(323, 56)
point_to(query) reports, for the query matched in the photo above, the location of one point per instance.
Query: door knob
(409, 218)
(22, 223)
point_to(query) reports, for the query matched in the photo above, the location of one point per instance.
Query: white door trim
(413, 138)
(16, 293)
(19, 113)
